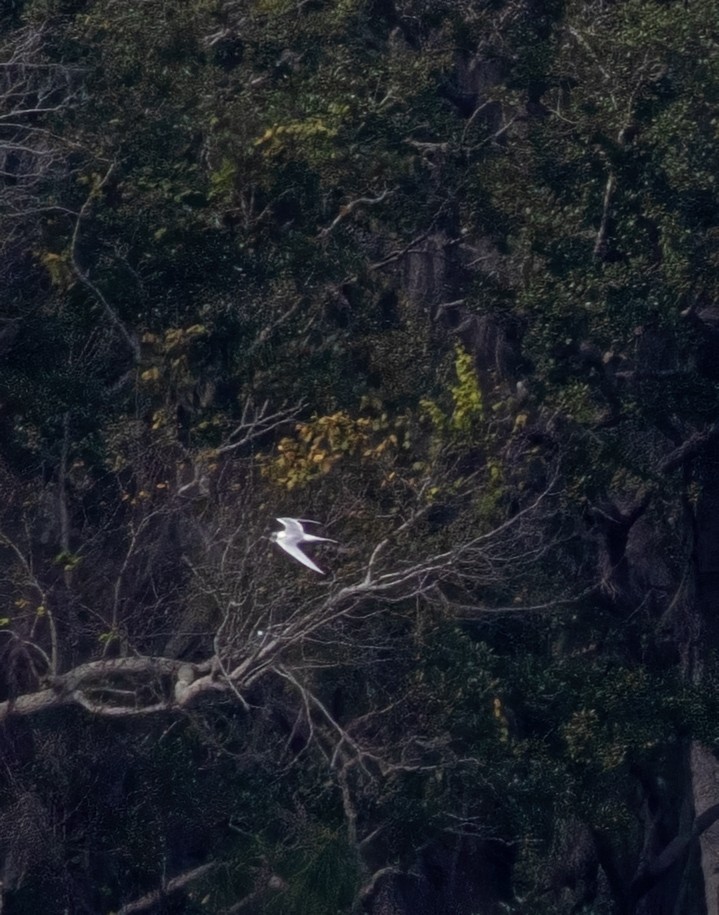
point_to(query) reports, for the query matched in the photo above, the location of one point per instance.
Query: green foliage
(320, 870)
(466, 424)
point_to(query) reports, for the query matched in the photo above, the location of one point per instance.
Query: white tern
(293, 535)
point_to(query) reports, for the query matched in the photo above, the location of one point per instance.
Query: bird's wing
(296, 553)
(291, 525)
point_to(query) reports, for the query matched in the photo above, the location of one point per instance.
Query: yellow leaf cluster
(167, 356)
(501, 718)
(59, 269)
(179, 337)
(280, 136)
(160, 419)
(318, 445)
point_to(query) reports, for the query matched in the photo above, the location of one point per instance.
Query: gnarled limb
(652, 873)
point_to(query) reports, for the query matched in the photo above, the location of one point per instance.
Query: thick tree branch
(653, 872)
(176, 883)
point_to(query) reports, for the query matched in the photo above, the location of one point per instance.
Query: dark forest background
(443, 276)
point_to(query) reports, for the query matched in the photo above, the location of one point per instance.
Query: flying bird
(293, 535)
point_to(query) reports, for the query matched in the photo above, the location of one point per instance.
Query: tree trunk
(704, 637)
(705, 792)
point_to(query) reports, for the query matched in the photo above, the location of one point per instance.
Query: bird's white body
(293, 535)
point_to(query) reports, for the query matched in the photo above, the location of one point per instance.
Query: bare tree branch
(256, 421)
(172, 886)
(130, 339)
(31, 87)
(347, 209)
